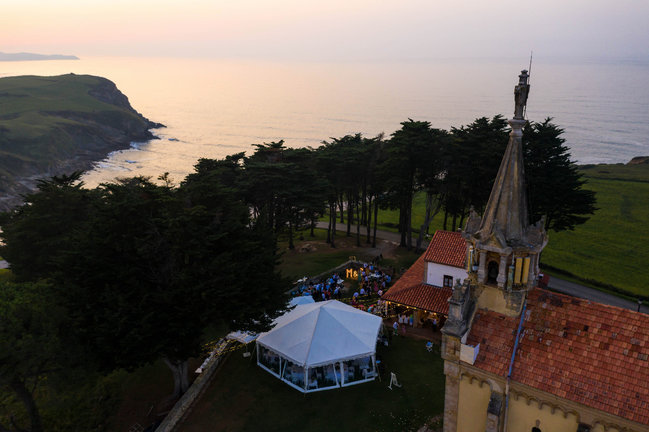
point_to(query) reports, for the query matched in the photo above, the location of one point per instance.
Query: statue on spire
(520, 95)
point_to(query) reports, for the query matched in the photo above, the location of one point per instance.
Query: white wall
(435, 273)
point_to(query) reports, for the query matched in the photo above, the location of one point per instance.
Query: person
(362, 291)
(395, 326)
(435, 323)
(411, 320)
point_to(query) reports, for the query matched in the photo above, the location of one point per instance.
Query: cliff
(55, 125)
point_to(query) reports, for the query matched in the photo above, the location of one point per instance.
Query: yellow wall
(522, 417)
(493, 299)
(472, 407)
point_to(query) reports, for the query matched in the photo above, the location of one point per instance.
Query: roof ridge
(587, 301)
(315, 326)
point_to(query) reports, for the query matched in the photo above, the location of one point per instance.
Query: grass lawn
(243, 397)
(611, 247)
(295, 264)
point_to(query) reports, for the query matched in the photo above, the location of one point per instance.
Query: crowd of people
(372, 282)
(331, 288)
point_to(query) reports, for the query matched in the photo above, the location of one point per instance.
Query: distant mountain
(30, 56)
(56, 125)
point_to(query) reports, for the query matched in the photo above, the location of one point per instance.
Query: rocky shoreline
(80, 138)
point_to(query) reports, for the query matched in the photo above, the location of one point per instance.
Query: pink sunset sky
(331, 29)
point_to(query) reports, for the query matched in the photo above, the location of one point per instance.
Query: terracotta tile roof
(409, 290)
(590, 353)
(448, 248)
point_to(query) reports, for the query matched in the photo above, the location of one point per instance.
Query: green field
(611, 247)
(243, 397)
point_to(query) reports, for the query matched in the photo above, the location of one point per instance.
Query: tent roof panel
(323, 332)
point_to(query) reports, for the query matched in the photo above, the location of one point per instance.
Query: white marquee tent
(300, 300)
(320, 346)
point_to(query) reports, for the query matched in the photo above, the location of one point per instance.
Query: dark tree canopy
(30, 348)
(36, 233)
(412, 161)
(554, 183)
(150, 267)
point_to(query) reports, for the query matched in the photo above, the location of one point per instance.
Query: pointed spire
(505, 219)
(505, 216)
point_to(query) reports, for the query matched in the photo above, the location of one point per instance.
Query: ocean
(213, 108)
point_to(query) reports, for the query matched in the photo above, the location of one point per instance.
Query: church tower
(503, 247)
(503, 265)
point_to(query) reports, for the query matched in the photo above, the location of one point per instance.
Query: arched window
(492, 272)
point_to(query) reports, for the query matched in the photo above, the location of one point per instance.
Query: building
(521, 358)
(427, 285)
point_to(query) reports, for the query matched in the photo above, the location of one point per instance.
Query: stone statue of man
(520, 95)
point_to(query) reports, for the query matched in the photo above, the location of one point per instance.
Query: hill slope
(55, 125)
(31, 56)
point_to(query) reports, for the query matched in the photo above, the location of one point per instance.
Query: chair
(393, 380)
(429, 346)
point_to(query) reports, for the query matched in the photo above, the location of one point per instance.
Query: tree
(554, 183)
(283, 188)
(301, 195)
(430, 178)
(35, 233)
(409, 153)
(30, 347)
(151, 266)
(472, 159)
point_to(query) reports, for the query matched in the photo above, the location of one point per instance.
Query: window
(448, 281)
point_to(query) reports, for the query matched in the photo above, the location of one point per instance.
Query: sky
(344, 30)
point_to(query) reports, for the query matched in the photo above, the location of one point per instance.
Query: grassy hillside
(52, 125)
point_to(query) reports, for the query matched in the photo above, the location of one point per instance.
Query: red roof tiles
(410, 291)
(448, 248)
(590, 353)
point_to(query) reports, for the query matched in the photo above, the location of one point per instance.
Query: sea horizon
(216, 107)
